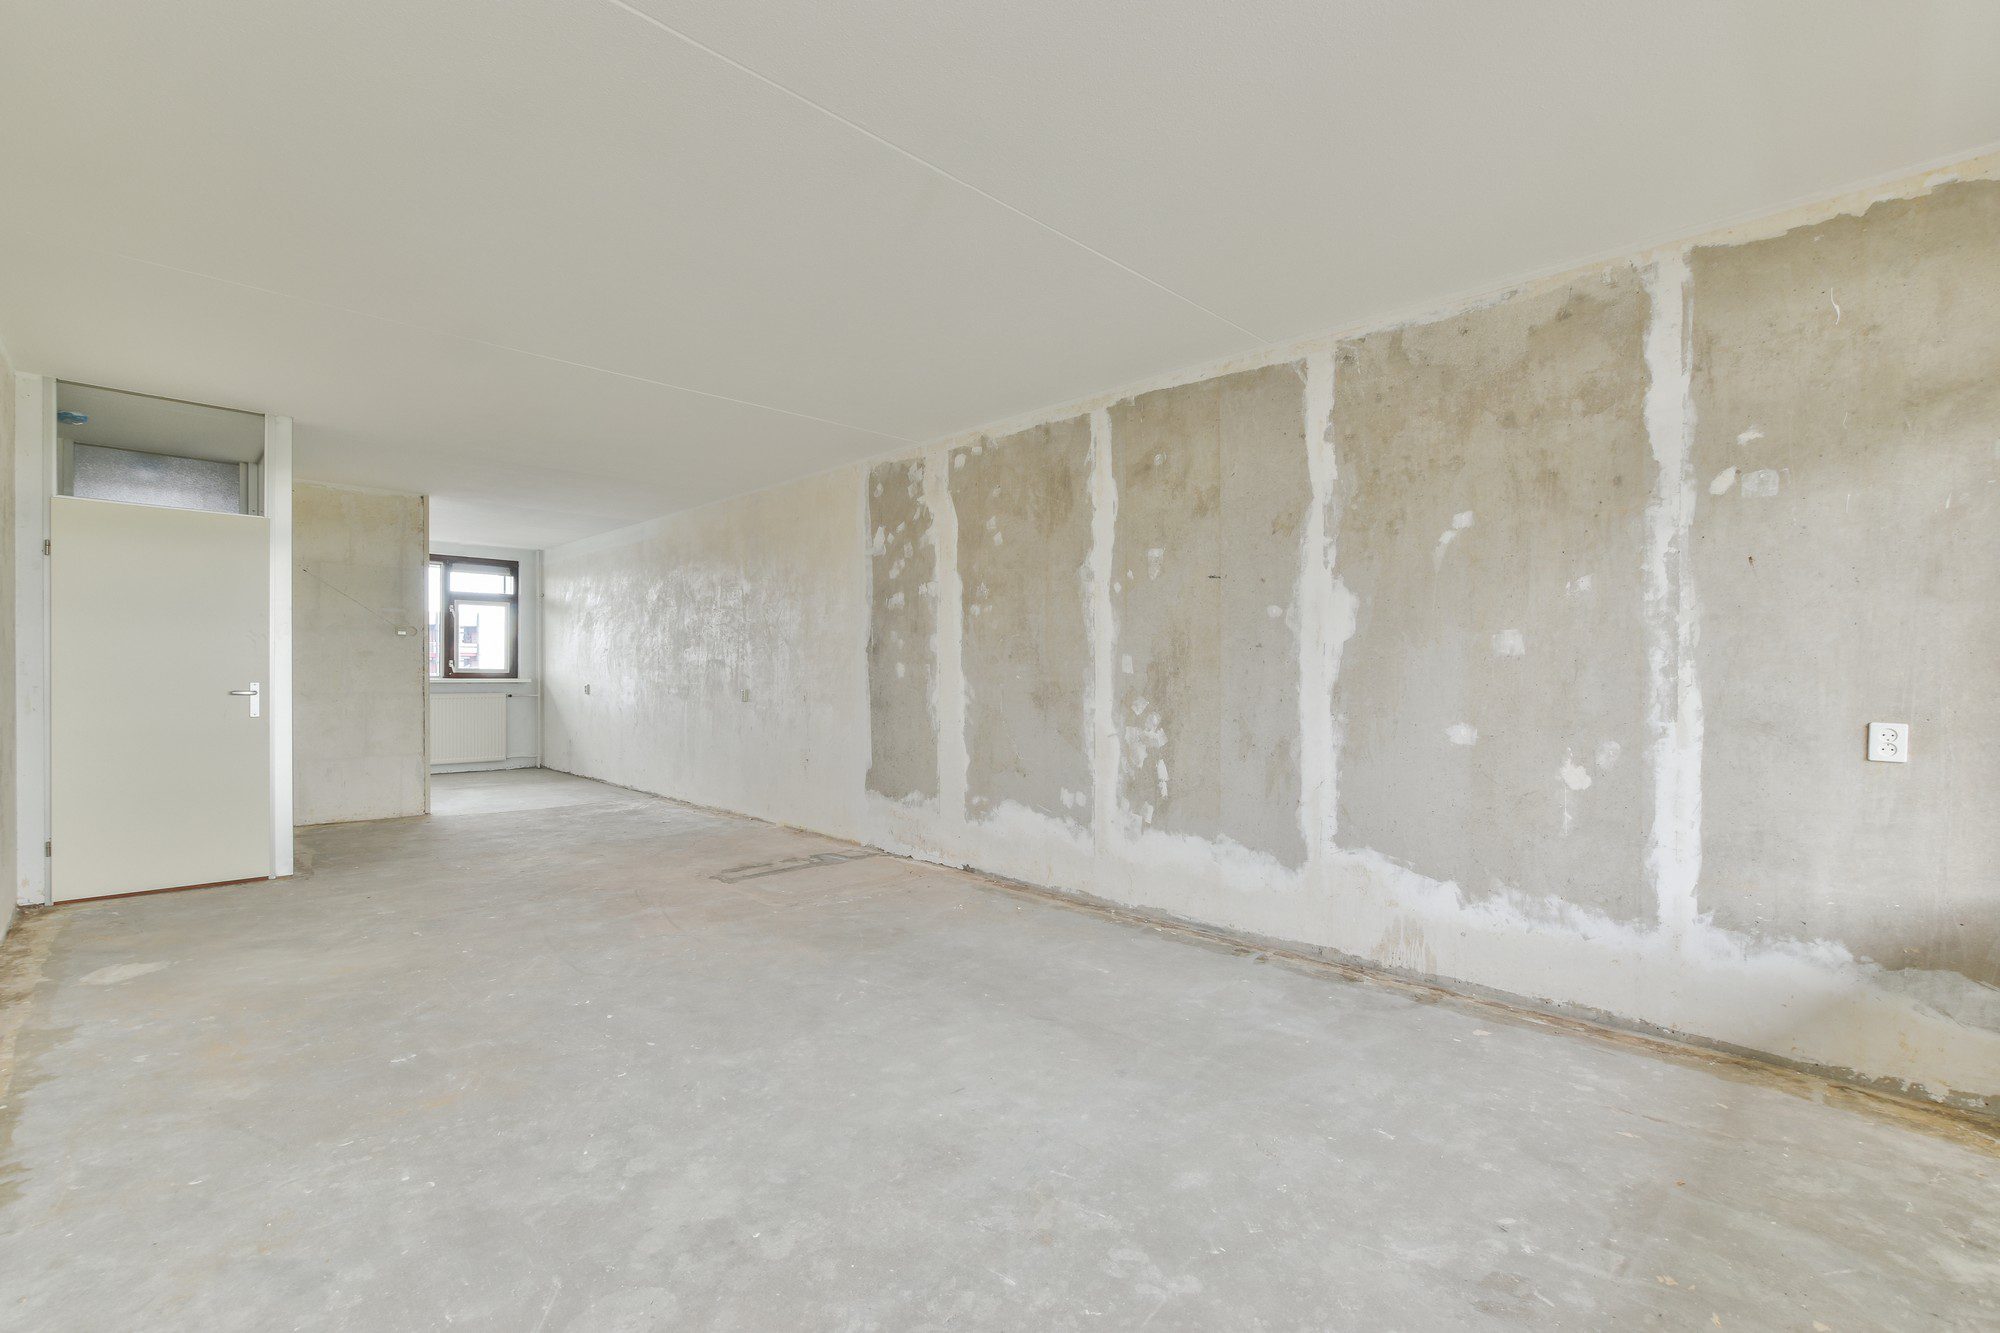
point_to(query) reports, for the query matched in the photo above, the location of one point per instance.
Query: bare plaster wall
(1495, 470)
(1847, 548)
(1022, 503)
(718, 656)
(1449, 640)
(358, 704)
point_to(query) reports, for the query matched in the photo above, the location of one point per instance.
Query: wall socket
(1889, 742)
(586, 689)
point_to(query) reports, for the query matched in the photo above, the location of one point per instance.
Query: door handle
(254, 695)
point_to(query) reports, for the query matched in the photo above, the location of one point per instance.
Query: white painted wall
(656, 633)
(9, 831)
(30, 465)
(524, 702)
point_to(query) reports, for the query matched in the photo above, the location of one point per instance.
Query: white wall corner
(34, 473)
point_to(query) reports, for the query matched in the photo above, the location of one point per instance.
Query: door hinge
(45, 546)
(49, 847)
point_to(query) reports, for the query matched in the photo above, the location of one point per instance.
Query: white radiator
(468, 728)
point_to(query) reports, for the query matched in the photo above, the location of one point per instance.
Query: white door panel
(159, 775)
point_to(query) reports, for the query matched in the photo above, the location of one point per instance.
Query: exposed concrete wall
(358, 718)
(1212, 494)
(1023, 508)
(723, 651)
(1441, 707)
(1847, 548)
(1495, 470)
(902, 627)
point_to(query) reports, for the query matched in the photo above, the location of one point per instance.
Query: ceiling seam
(931, 166)
(503, 347)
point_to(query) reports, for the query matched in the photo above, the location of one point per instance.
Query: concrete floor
(526, 1065)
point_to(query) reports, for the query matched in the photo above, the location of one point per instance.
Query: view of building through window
(474, 626)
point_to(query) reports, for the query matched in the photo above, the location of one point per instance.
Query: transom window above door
(475, 621)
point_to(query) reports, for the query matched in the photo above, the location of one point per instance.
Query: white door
(160, 759)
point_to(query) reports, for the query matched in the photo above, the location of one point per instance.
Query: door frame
(33, 469)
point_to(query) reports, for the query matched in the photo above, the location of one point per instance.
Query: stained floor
(526, 1064)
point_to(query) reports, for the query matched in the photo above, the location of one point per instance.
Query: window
(474, 617)
(131, 476)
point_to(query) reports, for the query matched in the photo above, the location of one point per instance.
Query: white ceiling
(567, 265)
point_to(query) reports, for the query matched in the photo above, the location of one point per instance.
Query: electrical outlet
(586, 689)
(1889, 742)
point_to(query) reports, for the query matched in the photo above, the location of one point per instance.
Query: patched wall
(902, 630)
(717, 656)
(1212, 494)
(1847, 565)
(1495, 469)
(1528, 645)
(1024, 528)
(358, 724)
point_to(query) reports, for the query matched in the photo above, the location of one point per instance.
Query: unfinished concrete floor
(527, 1065)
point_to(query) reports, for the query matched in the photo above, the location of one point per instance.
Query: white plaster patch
(1155, 557)
(1509, 643)
(1581, 583)
(117, 972)
(1574, 775)
(1722, 482)
(1459, 523)
(1462, 733)
(1673, 703)
(1750, 436)
(1274, 611)
(1761, 483)
(1321, 616)
(1125, 663)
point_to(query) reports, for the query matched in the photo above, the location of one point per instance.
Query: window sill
(478, 680)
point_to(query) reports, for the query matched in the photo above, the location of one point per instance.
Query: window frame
(448, 628)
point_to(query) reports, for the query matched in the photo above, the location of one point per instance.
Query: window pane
(434, 638)
(482, 579)
(98, 472)
(485, 636)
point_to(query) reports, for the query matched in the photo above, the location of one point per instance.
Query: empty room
(1315, 665)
